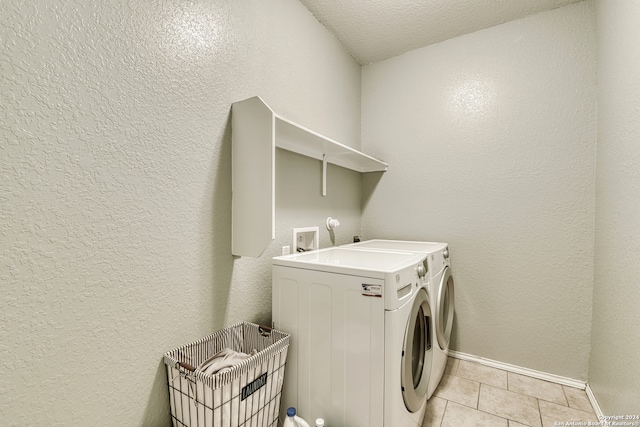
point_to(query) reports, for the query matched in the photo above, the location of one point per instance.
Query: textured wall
(614, 370)
(115, 190)
(491, 138)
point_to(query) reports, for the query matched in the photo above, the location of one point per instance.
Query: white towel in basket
(223, 361)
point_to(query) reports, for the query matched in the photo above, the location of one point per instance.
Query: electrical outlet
(286, 250)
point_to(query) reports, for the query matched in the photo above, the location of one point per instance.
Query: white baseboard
(569, 382)
(594, 402)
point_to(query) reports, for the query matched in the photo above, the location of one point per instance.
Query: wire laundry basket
(246, 395)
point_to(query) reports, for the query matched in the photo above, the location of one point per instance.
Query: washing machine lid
(367, 263)
(398, 245)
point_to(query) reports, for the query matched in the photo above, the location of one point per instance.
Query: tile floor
(471, 394)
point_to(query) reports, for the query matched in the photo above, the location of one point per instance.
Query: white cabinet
(256, 132)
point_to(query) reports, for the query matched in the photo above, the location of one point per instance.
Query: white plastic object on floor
(319, 422)
(293, 420)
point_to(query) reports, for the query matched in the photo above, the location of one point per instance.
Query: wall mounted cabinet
(256, 133)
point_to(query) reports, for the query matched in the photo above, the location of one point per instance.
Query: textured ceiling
(373, 30)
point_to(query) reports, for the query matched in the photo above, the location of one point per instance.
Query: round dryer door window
(445, 309)
(417, 354)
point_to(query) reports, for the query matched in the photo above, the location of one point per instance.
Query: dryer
(361, 346)
(441, 293)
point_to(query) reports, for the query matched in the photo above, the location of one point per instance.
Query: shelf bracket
(324, 175)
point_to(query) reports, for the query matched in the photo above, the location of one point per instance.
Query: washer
(360, 353)
(441, 292)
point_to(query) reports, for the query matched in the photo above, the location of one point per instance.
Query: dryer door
(417, 353)
(444, 309)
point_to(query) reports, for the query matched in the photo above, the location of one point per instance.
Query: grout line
(539, 411)
(478, 403)
(480, 410)
(566, 399)
(443, 412)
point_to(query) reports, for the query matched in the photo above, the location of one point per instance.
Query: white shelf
(293, 137)
(256, 132)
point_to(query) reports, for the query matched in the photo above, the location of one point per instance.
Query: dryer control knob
(445, 253)
(422, 271)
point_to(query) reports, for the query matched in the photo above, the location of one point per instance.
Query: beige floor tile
(516, 424)
(507, 404)
(434, 412)
(483, 374)
(458, 390)
(552, 413)
(577, 399)
(457, 415)
(540, 389)
(452, 366)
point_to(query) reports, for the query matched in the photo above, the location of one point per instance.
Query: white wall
(614, 369)
(115, 192)
(490, 139)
